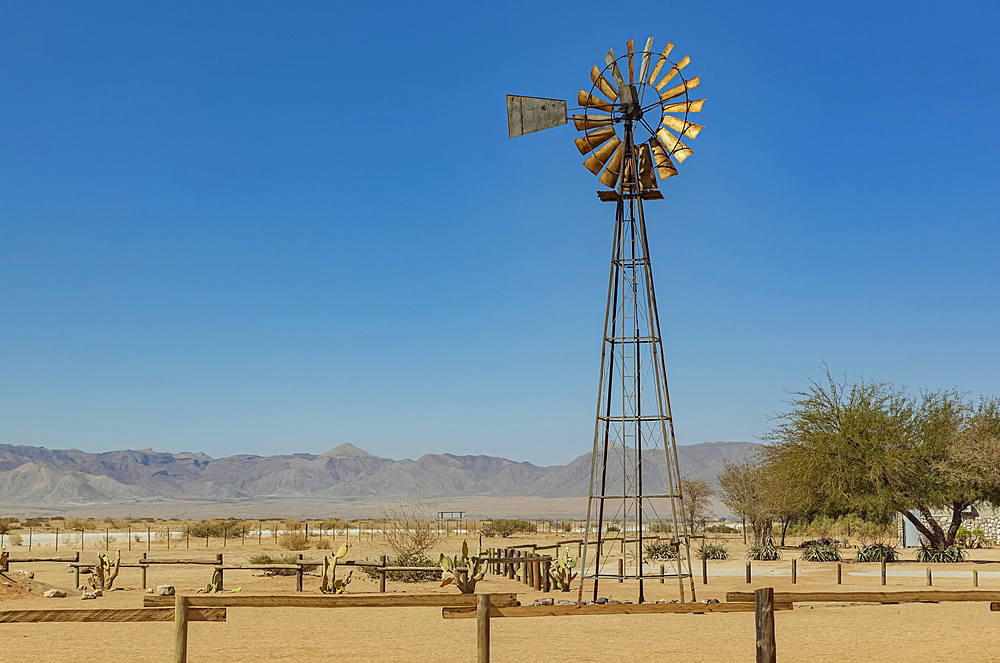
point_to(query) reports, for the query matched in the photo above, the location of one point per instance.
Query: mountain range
(37, 478)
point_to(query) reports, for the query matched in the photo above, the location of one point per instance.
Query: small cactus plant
(330, 584)
(462, 570)
(561, 570)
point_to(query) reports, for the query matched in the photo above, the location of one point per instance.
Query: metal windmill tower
(634, 478)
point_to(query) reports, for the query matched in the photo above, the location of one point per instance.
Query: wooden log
(256, 567)
(995, 606)
(465, 612)
(899, 596)
(216, 561)
(331, 601)
(483, 628)
(180, 629)
(109, 615)
(764, 621)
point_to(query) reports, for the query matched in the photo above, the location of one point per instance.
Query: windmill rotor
(644, 89)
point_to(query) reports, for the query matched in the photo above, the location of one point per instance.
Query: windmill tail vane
(634, 119)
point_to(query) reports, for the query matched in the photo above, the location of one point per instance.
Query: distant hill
(36, 477)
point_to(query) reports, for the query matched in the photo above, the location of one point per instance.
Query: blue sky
(277, 227)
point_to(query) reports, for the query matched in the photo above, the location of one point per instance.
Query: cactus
(561, 570)
(463, 570)
(215, 584)
(105, 571)
(329, 584)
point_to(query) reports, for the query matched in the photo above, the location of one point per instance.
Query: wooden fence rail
(109, 615)
(904, 596)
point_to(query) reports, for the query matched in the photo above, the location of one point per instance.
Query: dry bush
(333, 523)
(292, 523)
(293, 541)
(322, 544)
(14, 539)
(409, 528)
(566, 526)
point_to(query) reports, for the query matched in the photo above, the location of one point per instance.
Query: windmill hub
(629, 100)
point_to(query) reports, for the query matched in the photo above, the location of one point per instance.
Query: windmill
(634, 479)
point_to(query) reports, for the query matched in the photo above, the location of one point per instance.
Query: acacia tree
(697, 500)
(744, 489)
(870, 448)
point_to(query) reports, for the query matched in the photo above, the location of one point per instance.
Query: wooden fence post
(129, 537)
(107, 538)
(298, 575)
(483, 628)
(57, 539)
(929, 581)
(748, 572)
(704, 571)
(76, 573)
(839, 572)
(883, 571)
(381, 575)
(180, 629)
(29, 539)
(218, 560)
(143, 570)
(546, 581)
(168, 538)
(763, 600)
(621, 570)
(794, 573)
(148, 539)
(662, 574)
(536, 574)
(975, 578)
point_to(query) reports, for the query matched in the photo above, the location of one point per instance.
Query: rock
(565, 602)
(663, 601)
(97, 592)
(55, 594)
(149, 591)
(88, 595)
(613, 602)
(601, 601)
(711, 600)
(546, 601)
(164, 590)
(27, 574)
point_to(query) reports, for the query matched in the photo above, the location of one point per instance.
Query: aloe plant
(561, 570)
(464, 578)
(330, 584)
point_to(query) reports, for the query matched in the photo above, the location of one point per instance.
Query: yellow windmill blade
(594, 139)
(631, 67)
(685, 107)
(661, 160)
(610, 176)
(609, 90)
(646, 53)
(603, 156)
(613, 66)
(673, 145)
(587, 100)
(584, 122)
(659, 63)
(680, 89)
(646, 178)
(667, 77)
(684, 128)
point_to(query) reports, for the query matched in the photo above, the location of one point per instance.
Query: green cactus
(561, 570)
(329, 583)
(462, 570)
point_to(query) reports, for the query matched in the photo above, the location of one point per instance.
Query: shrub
(410, 528)
(418, 559)
(292, 523)
(721, 529)
(660, 527)
(713, 551)
(322, 544)
(33, 522)
(877, 551)
(820, 552)
(333, 523)
(566, 526)
(659, 550)
(217, 528)
(287, 558)
(14, 539)
(505, 528)
(949, 555)
(764, 553)
(293, 541)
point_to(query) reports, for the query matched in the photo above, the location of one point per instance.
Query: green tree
(872, 449)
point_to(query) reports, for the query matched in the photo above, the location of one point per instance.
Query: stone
(26, 574)
(711, 600)
(601, 601)
(88, 595)
(55, 594)
(565, 602)
(164, 590)
(149, 591)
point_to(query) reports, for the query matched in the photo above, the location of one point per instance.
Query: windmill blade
(680, 89)
(673, 72)
(584, 122)
(685, 107)
(646, 53)
(685, 129)
(659, 63)
(673, 145)
(587, 100)
(646, 179)
(631, 67)
(613, 65)
(594, 139)
(600, 157)
(609, 90)
(610, 176)
(664, 166)
(526, 115)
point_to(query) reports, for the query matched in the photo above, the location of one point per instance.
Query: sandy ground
(851, 632)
